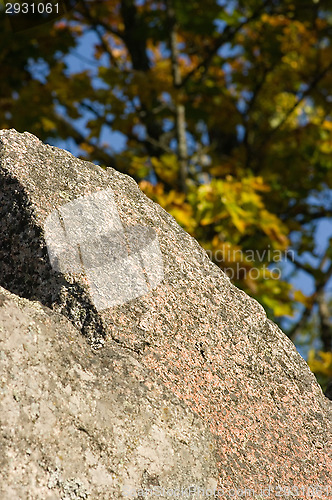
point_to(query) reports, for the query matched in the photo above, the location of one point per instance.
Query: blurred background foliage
(221, 111)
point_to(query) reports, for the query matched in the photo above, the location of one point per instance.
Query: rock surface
(82, 424)
(234, 404)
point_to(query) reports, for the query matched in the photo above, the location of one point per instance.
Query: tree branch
(325, 321)
(95, 25)
(180, 114)
(227, 36)
(99, 22)
(134, 35)
(300, 99)
(323, 310)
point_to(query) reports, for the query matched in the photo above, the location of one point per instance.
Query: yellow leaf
(327, 125)
(304, 299)
(320, 362)
(48, 124)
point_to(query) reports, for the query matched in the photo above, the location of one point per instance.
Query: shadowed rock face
(257, 410)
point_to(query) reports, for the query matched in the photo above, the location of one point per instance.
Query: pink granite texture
(206, 342)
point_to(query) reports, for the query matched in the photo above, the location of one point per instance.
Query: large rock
(154, 305)
(81, 424)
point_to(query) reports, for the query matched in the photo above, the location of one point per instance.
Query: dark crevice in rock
(199, 347)
(25, 269)
(138, 349)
